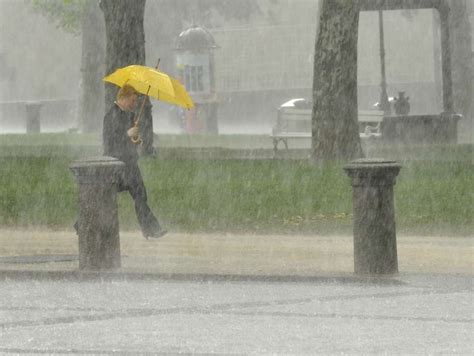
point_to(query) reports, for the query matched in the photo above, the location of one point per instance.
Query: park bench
(369, 123)
(295, 123)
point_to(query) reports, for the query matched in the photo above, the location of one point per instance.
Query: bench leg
(276, 141)
(275, 147)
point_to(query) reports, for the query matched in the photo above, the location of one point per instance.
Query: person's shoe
(156, 234)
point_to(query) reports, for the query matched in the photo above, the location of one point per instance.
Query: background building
(261, 61)
(261, 65)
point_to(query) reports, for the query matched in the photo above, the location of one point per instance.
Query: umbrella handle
(137, 118)
(137, 140)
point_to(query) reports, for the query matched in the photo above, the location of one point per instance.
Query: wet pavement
(233, 294)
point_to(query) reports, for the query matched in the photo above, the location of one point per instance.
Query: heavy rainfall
(236, 176)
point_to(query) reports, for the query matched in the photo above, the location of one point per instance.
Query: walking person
(118, 132)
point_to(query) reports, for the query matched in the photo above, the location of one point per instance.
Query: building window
(193, 77)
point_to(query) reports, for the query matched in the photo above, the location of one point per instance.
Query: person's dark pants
(133, 182)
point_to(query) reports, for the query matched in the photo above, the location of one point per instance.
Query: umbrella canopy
(145, 80)
(152, 82)
(181, 96)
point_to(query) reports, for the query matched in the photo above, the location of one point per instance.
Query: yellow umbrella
(145, 80)
(151, 82)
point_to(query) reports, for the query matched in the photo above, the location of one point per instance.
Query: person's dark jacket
(117, 144)
(114, 135)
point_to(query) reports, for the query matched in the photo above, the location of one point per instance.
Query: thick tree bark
(91, 103)
(335, 127)
(460, 30)
(125, 46)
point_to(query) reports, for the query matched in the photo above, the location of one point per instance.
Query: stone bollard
(33, 122)
(375, 244)
(97, 226)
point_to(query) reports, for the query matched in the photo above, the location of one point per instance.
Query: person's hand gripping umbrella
(151, 82)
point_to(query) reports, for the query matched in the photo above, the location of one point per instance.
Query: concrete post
(33, 121)
(98, 228)
(375, 245)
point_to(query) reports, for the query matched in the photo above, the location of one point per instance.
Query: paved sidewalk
(168, 317)
(232, 254)
(233, 294)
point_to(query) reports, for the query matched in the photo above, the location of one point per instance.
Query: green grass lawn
(433, 194)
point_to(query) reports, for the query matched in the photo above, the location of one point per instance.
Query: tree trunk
(91, 103)
(335, 127)
(125, 46)
(460, 30)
